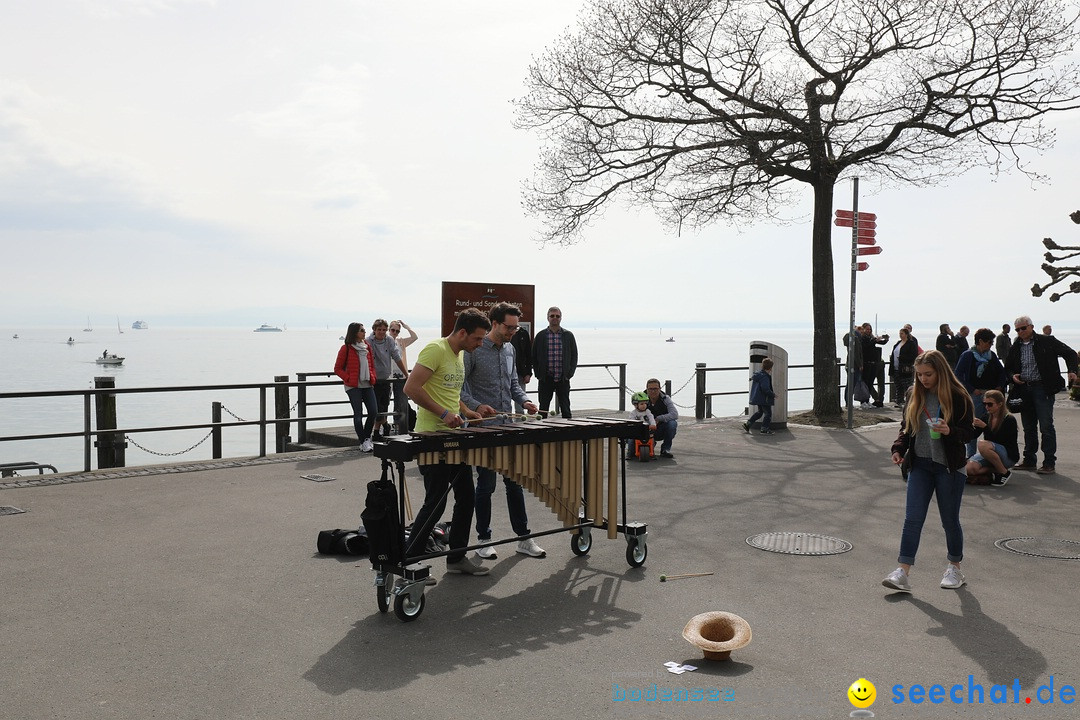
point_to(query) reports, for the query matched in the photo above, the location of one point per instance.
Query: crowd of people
(958, 401)
(961, 392)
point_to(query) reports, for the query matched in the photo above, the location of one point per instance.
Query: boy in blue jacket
(762, 395)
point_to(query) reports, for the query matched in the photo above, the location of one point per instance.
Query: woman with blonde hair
(930, 448)
(998, 450)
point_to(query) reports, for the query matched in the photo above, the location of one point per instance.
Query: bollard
(281, 413)
(110, 446)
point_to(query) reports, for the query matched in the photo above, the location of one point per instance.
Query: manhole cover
(1042, 547)
(799, 543)
(8, 510)
(318, 478)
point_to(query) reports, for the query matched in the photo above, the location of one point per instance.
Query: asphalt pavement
(194, 591)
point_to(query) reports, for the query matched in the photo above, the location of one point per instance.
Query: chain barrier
(630, 392)
(237, 417)
(172, 454)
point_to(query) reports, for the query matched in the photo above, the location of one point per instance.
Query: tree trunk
(826, 387)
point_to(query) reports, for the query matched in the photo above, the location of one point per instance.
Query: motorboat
(140, 325)
(670, 339)
(267, 328)
(107, 359)
(70, 340)
(15, 336)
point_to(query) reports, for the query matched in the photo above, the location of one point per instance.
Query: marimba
(574, 466)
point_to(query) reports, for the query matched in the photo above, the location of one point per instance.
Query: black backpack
(380, 518)
(342, 542)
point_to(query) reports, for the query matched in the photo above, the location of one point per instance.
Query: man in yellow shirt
(435, 386)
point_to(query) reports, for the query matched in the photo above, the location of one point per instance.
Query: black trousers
(546, 387)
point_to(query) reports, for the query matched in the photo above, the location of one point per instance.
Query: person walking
(355, 365)
(555, 358)
(1033, 365)
(762, 397)
(937, 422)
(1003, 343)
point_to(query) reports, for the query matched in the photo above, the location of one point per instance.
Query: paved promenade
(197, 593)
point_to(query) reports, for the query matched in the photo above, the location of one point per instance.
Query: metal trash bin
(759, 350)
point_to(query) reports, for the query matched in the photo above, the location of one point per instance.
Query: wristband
(444, 414)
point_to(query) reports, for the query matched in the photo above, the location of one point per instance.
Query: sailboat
(89, 327)
(118, 324)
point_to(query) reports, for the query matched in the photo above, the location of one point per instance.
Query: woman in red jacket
(356, 367)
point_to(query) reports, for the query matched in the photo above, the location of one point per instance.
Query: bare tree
(1059, 273)
(713, 110)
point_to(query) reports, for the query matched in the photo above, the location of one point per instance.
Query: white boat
(15, 336)
(89, 327)
(267, 328)
(70, 341)
(140, 325)
(107, 359)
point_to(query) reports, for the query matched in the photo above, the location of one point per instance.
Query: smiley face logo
(862, 693)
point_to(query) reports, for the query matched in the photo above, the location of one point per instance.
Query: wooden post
(110, 446)
(622, 387)
(281, 411)
(301, 409)
(215, 433)
(699, 404)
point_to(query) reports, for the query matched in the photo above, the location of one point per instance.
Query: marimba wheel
(580, 544)
(636, 553)
(406, 609)
(382, 595)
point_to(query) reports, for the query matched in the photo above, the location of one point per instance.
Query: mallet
(665, 578)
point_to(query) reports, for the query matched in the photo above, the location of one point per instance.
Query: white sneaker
(953, 578)
(487, 553)
(366, 446)
(530, 548)
(898, 580)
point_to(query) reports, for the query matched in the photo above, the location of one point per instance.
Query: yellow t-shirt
(444, 386)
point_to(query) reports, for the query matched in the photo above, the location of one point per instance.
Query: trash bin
(759, 350)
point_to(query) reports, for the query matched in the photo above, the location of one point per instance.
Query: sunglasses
(395, 330)
(1022, 327)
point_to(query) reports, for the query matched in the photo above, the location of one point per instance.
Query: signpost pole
(850, 394)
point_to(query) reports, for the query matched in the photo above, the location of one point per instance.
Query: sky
(228, 162)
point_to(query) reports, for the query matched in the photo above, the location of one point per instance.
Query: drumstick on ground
(665, 578)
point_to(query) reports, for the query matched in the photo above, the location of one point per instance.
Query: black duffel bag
(380, 518)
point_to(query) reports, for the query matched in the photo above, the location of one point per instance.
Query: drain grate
(8, 510)
(318, 478)
(1042, 547)
(799, 543)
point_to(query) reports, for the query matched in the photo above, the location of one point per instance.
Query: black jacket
(1047, 349)
(961, 431)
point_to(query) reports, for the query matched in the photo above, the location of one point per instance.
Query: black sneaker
(1000, 480)
(767, 432)
(666, 454)
(1025, 466)
(746, 427)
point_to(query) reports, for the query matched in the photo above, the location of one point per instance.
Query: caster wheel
(580, 544)
(382, 596)
(406, 609)
(636, 554)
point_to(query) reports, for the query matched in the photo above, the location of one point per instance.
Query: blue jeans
(362, 398)
(437, 479)
(765, 413)
(486, 481)
(665, 432)
(924, 480)
(1038, 414)
(977, 401)
(401, 406)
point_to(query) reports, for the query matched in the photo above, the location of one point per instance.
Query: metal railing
(281, 417)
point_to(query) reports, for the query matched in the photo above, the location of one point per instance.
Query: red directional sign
(850, 222)
(876, 250)
(848, 214)
(862, 266)
(866, 241)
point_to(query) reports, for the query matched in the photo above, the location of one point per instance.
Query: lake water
(41, 359)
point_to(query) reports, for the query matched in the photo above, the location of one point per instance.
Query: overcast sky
(170, 159)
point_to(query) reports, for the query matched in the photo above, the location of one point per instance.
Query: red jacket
(347, 366)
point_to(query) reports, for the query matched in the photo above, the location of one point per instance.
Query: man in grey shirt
(1003, 343)
(491, 387)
